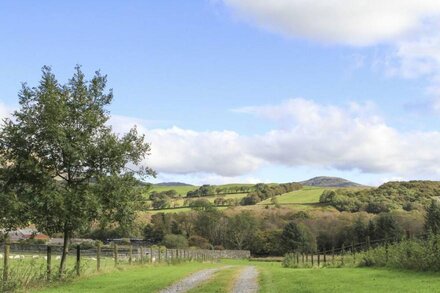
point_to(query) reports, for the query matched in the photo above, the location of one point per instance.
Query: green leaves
(62, 167)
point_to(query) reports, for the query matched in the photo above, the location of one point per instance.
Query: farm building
(24, 234)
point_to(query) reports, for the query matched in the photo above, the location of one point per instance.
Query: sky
(249, 90)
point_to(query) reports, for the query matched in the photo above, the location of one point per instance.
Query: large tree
(63, 168)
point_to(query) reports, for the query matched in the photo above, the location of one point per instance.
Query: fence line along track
(15, 256)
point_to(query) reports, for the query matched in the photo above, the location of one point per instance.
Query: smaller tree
(387, 227)
(201, 204)
(161, 203)
(432, 218)
(297, 237)
(241, 230)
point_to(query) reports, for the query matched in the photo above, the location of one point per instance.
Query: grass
(182, 190)
(273, 279)
(276, 279)
(307, 195)
(31, 271)
(149, 278)
(222, 281)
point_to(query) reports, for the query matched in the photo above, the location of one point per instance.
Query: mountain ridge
(173, 184)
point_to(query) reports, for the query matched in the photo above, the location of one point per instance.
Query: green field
(182, 190)
(306, 195)
(272, 279)
(149, 278)
(304, 199)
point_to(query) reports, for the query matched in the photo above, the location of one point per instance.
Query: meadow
(272, 278)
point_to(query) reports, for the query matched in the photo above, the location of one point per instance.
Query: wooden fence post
(333, 255)
(98, 256)
(115, 248)
(158, 255)
(130, 254)
(151, 255)
(319, 258)
(342, 254)
(368, 243)
(386, 252)
(48, 262)
(302, 257)
(78, 259)
(325, 257)
(6, 263)
(312, 258)
(353, 252)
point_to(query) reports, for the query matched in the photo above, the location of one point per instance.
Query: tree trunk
(65, 253)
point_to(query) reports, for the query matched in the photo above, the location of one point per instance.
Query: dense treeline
(265, 191)
(412, 195)
(415, 252)
(271, 232)
(210, 190)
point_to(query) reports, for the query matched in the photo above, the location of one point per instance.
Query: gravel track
(247, 281)
(190, 282)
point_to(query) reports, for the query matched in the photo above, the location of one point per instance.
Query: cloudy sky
(249, 90)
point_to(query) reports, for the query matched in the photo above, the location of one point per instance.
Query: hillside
(325, 181)
(408, 196)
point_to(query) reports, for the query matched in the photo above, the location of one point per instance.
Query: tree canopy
(63, 168)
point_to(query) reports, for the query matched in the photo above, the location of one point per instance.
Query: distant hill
(324, 181)
(172, 184)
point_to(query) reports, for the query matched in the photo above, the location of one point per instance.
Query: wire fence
(345, 254)
(24, 266)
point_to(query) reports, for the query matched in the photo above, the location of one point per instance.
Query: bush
(175, 241)
(199, 241)
(418, 255)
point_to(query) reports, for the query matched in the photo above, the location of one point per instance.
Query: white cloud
(318, 136)
(206, 178)
(359, 22)
(5, 111)
(183, 151)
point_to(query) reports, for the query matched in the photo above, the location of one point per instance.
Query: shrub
(419, 255)
(289, 261)
(175, 241)
(199, 241)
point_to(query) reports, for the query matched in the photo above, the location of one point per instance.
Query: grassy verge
(149, 278)
(274, 278)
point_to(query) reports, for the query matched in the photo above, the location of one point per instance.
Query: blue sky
(223, 89)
